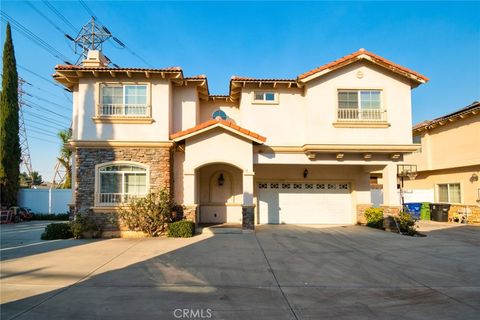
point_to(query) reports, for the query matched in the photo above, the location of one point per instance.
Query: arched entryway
(220, 193)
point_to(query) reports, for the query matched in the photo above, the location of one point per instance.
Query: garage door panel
(305, 203)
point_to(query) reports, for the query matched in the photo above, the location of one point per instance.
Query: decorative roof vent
(95, 59)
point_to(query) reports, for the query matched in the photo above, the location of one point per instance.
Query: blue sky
(440, 40)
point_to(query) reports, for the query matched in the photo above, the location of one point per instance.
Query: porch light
(305, 173)
(474, 177)
(221, 179)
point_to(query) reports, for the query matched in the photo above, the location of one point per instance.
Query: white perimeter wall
(45, 200)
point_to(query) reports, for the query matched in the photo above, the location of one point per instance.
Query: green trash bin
(425, 211)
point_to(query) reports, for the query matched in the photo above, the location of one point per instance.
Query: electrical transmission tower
(22, 133)
(91, 37)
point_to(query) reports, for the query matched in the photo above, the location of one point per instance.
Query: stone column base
(190, 213)
(361, 212)
(248, 218)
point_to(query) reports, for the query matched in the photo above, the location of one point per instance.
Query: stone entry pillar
(248, 208)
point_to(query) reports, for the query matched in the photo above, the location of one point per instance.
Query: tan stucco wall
(430, 179)
(184, 108)
(87, 97)
(455, 144)
(321, 106)
(208, 107)
(218, 146)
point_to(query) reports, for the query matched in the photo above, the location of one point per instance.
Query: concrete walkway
(279, 272)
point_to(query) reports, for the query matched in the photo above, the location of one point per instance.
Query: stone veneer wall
(159, 159)
(361, 212)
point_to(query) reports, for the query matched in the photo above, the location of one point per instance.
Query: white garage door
(305, 203)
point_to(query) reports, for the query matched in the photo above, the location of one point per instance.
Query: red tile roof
(473, 108)
(375, 58)
(238, 78)
(82, 68)
(215, 122)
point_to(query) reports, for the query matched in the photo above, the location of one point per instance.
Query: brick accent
(248, 214)
(361, 212)
(159, 159)
(473, 212)
(391, 210)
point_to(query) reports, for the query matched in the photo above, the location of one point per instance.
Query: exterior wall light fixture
(221, 180)
(305, 173)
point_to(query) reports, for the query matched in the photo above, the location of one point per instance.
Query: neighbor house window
(417, 140)
(360, 105)
(265, 97)
(123, 100)
(120, 183)
(449, 192)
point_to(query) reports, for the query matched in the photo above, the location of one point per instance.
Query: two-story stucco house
(448, 163)
(270, 151)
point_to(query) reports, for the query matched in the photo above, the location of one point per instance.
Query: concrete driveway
(280, 272)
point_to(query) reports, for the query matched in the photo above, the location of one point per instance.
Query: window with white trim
(449, 192)
(120, 183)
(126, 100)
(265, 97)
(360, 105)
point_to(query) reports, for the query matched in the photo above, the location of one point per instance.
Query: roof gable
(362, 54)
(215, 123)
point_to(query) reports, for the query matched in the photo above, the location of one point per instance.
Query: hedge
(181, 229)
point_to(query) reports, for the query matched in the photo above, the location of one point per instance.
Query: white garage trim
(305, 202)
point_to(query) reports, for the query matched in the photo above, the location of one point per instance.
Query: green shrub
(150, 214)
(406, 223)
(57, 231)
(374, 217)
(83, 225)
(181, 229)
(51, 216)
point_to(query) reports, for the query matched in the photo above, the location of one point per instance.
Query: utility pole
(22, 132)
(91, 37)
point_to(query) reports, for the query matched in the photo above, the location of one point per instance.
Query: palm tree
(65, 157)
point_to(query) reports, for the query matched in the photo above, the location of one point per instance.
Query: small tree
(65, 157)
(150, 214)
(10, 153)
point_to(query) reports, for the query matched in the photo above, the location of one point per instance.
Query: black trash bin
(439, 212)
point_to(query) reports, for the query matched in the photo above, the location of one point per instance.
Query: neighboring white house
(271, 151)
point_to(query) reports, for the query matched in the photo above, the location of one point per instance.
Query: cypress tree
(10, 153)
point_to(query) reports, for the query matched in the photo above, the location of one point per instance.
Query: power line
(123, 45)
(42, 132)
(40, 76)
(58, 14)
(33, 114)
(37, 106)
(41, 129)
(48, 101)
(90, 12)
(44, 140)
(57, 126)
(45, 17)
(37, 40)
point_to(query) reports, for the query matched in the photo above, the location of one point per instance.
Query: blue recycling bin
(414, 209)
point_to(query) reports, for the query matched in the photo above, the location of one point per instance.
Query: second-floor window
(123, 100)
(417, 140)
(360, 105)
(265, 97)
